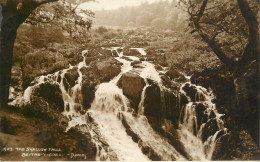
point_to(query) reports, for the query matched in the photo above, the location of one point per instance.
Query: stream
(110, 112)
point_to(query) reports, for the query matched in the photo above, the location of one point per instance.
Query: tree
(14, 13)
(230, 29)
(65, 14)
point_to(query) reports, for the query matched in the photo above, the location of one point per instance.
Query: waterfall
(189, 129)
(120, 134)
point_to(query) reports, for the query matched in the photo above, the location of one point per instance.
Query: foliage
(64, 14)
(101, 30)
(223, 26)
(163, 15)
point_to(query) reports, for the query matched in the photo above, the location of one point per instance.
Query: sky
(112, 4)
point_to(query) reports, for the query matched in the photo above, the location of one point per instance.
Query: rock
(200, 108)
(88, 60)
(210, 128)
(106, 52)
(114, 53)
(52, 94)
(221, 148)
(88, 93)
(119, 50)
(174, 74)
(131, 52)
(88, 87)
(152, 102)
(135, 62)
(170, 110)
(212, 114)
(129, 131)
(71, 77)
(106, 69)
(132, 86)
(126, 58)
(150, 59)
(191, 91)
(166, 81)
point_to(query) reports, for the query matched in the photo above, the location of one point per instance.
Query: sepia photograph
(129, 80)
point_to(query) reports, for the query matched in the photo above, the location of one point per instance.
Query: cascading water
(110, 108)
(189, 129)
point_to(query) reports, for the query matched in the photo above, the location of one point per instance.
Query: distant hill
(163, 15)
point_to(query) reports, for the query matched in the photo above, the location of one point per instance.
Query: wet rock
(129, 131)
(106, 52)
(126, 58)
(147, 150)
(191, 91)
(152, 102)
(88, 87)
(132, 85)
(174, 74)
(210, 128)
(106, 69)
(130, 52)
(52, 94)
(119, 50)
(204, 118)
(135, 62)
(170, 109)
(200, 108)
(212, 114)
(71, 77)
(166, 81)
(88, 93)
(114, 53)
(221, 148)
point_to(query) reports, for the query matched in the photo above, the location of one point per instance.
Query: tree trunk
(12, 19)
(247, 95)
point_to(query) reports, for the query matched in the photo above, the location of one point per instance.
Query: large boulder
(191, 91)
(170, 109)
(152, 102)
(71, 76)
(51, 93)
(131, 52)
(175, 75)
(237, 144)
(210, 128)
(106, 69)
(88, 87)
(132, 85)
(200, 108)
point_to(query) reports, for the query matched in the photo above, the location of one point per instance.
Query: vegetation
(161, 15)
(16, 12)
(231, 31)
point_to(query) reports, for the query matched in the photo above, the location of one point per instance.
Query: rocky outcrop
(88, 89)
(175, 75)
(132, 85)
(235, 145)
(130, 52)
(200, 108)
(71, 76)
(152, 102)
(106, 69)
(210, 128)
(51, 93)
(191, 91)
(170, 109)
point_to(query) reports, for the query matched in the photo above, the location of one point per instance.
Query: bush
(101, 30)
